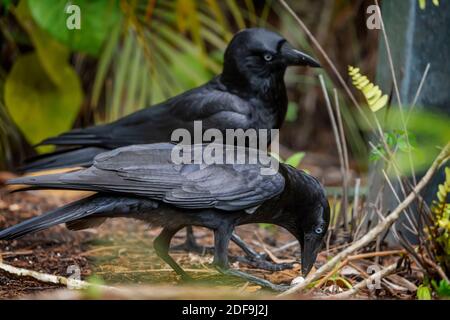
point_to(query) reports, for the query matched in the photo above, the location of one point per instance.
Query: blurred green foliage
(144, 51)
(427, 131)
(423, 3)
(439, 232)
(42, 87)
(126, 56)
(98, 17)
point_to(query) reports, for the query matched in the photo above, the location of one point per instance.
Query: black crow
(249, 94)
(143, 182)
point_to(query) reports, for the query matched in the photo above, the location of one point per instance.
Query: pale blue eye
(318, 230)
(268, 57)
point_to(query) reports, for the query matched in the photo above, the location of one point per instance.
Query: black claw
(256, 280)
(263, 264)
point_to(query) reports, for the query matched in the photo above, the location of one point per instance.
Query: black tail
(66, 158)
(83, 136)
(73, 211)
(81, 214)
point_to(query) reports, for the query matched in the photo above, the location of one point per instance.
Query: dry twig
(44, 277)
(363, 284)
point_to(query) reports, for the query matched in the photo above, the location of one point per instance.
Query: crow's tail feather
(87, 212)
(65, 158)
(87, 137)
(73, 211)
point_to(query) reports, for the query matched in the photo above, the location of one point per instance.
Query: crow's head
(260, 53)
(310, 215)
(312, 230)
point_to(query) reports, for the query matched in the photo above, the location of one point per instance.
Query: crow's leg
(254, 259)
(162, 244)
(222, 236)
(191, 244)
(257, 260)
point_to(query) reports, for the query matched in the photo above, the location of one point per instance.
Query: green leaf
(34, 101)
(423, 292)
(391, 139)
(377, 154)
(292, 112)
(444, 289)
(96, 21)
(6, 4)
(295, 159)
(42, 87)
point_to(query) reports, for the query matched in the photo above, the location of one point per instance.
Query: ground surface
(120, 252)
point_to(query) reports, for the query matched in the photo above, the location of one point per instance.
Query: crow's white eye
(268, 57)
(318, 230)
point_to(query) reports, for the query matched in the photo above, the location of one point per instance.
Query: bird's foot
(255, 259)
(263, 264)
(256, 280)
(191, 245)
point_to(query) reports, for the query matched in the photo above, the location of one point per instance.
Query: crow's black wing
(148, 171)
(210, 103)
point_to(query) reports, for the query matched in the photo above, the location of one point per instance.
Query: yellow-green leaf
(374, 97)
(35, 101)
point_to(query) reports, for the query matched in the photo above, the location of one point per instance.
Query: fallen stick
(376, 254)
(363, 284)
(44, 277)
(378, 229)
(49, 278)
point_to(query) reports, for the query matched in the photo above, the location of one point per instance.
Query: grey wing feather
(147, 170)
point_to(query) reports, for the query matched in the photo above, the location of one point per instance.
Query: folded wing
(148, 171)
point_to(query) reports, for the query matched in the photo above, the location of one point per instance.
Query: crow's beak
(310, 247)
(293, 57)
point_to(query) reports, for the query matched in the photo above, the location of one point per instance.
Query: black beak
(294, 57)
(310, 247)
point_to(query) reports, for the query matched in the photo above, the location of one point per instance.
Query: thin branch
(418, 92)
(363, 284)
(326, 57)
(44, 277)
(355, 202)
(399, 201)
(397, 92)
(389, 55)
(345, 177)
(338, 142)
(379, 228)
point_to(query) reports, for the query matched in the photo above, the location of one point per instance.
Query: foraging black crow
(143, 182)
(249, 94)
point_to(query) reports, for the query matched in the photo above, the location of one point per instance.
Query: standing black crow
(249, 94)
(143, 182)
